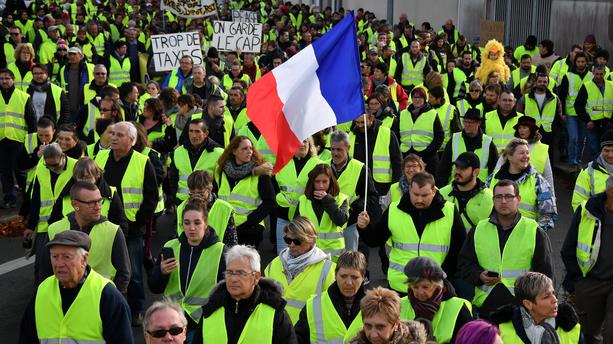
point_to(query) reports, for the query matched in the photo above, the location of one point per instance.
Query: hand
(319, 194)
(363, 220)
(214, 67)
(168, 265)
(488, 280)
(41, 149)
(166, 120)
(28, 233)
(264, 169)
(590, 125)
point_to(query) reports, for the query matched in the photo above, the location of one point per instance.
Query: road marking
(15, 264)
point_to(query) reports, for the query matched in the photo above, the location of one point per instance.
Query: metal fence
(521, 18)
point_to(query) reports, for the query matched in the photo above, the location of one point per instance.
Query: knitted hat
(590, 39)
(606, 139)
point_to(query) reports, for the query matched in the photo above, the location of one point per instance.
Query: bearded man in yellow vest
(132, 174)
(422, 223)
(500, 249)
(594, 106)
(499, 124)
(335, 314)
(109, 253)
(537, 317)
(587, 259)
(245, 307)
(76, 304)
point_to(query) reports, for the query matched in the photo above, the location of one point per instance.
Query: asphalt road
(17, 287)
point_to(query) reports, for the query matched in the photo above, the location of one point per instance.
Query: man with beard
(490, 99)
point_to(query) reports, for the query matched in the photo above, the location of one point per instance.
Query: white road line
(15, 264)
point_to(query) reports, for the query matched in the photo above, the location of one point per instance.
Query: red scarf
(427, 309)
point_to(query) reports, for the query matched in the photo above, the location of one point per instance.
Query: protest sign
(237, 36)
(168, 49)
(244, 16)
(490, 29)
(190, 8)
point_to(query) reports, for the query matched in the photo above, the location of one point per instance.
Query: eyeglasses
(93, 203)
(241, 274)
(474, 91)
(288, 241)
(507, 197)
(174, 331)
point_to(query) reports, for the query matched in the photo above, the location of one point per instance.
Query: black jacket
(603, 269)
(338, 300)
(119, 255)
(377, 233)
(359, 153)
(114, 312)
(50, 110)
(189, 256)
(267, 292)
(337, 213)
(372, 202)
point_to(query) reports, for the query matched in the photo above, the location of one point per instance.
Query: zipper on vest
(236, 308)
(189, 267)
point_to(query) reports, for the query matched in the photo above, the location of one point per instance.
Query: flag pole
(365, 160)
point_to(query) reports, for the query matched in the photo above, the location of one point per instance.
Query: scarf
(403, 184)
(295, 265)
(40, 87)
(236, 172)
(543, 333)
(427, 309)
(602, 162)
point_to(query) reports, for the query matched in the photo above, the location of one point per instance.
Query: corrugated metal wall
(522, 18)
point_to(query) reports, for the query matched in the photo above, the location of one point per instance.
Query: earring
(77, 208)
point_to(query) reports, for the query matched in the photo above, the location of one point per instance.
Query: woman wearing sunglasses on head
(189, 267)
(303, 269)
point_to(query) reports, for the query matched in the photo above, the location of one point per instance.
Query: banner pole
(365, 160)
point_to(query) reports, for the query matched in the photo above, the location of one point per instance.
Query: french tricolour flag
(317, 88)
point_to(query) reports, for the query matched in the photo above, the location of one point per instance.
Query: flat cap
(71, 238)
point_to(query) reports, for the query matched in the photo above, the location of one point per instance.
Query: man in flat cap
(76, 303)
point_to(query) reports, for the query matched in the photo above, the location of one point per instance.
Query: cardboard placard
(490, 29)
(244, 16)
(168, 49)
(237, 36)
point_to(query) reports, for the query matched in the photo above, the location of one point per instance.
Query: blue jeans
(281, 245)
(136, 288)
(576, 135)
(351, 237)
(593, 142)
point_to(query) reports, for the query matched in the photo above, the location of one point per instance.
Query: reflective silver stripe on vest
(397, 267)
(590, 172)
(184, 191)
(133, 205)
(92, 119)
(584, 248)
(265, 151)
(382, 170)
(416, 132)
(447, 118)
(245, 199)
(318, 319)
(292, 189)
(69, 341)
(183, 176)
(46, 203)
(581, 190)
(241, 210)
(323, 275)
(136, 191)
(175, 296)
(422, 247)
(528, 207)
(197, 313)
(584, 264)
(512, 273)
(12, 114)
(334, 252)
(43, 219)
(328, 236)
(380, 158)
(485, 151)
(12, 125)
(295, 303)
(192, 300)
(489, 288)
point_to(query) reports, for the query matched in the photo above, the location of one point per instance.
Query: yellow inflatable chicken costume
(492, 60)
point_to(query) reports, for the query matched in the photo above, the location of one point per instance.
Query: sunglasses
(288, 241)
(62, 49)
(174, 331)
(100, 73)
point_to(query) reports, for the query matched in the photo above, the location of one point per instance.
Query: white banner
(244, 16)
(168, 49)
(190, 8)
(237, 36)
